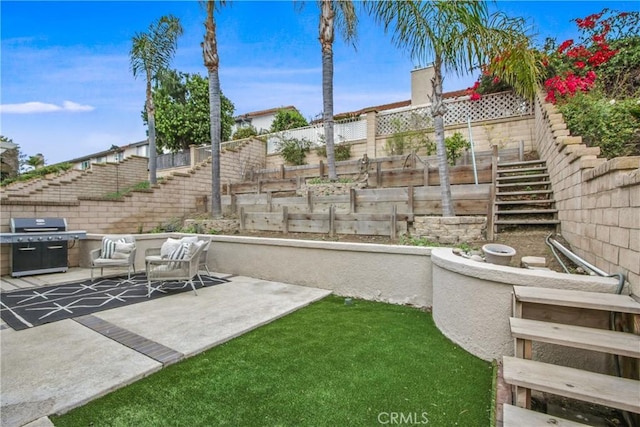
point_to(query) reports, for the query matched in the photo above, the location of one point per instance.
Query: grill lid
(37, 225)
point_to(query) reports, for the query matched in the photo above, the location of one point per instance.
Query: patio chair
(181, 265)
(115, 251)
(202, 264)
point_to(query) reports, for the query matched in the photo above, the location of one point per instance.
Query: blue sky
(67, 89)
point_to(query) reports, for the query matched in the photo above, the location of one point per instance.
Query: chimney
(421, 87)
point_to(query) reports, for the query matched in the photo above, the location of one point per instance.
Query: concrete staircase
(523, 196)
(525, 375)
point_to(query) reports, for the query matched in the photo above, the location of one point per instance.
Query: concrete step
(612, 342)
(606, 390)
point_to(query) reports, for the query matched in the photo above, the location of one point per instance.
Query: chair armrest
(95, 254)
(151, 251)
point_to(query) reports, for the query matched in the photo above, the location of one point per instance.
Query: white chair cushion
(123, 250)
(169, 246)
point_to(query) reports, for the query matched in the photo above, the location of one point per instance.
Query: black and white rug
(32, 307)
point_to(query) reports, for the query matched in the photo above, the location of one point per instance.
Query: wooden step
(520, 170)
(526, 222)
(523, 193)
(580, 299)
(523, 184)
(607, 390)
(621, 343)
(514, 416)
(523, 163)
(525, 202)
(526, 211)
(519, 177)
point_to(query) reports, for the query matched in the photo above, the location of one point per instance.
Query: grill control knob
(49, 238)
(19, 239)
(59, 237)
(39, 238)
(30, 239)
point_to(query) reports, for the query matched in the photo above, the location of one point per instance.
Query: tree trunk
(151, 115)
(438, 110)
(211, 61)
(326, 40)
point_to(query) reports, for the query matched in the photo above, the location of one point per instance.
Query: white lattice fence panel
(349, 130)
(459, 110)
(402, 121)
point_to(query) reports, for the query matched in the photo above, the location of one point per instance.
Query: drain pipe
(473, 151)
(575, 258)
(612, 316)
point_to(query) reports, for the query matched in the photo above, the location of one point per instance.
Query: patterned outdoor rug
(32, 307)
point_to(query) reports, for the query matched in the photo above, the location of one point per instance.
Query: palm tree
(212, 62)
(340, 14)
(151, 53)
(459, 36)
(36, 162)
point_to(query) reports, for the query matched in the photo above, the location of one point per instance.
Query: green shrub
(341, 151)
(454, 146)
(293, 151)
(40, 172)
(244, 132)
(612, 125)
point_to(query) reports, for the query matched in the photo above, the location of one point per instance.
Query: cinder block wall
(178, 195)
(598, 200)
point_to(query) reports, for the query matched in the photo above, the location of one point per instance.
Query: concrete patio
(55, 367)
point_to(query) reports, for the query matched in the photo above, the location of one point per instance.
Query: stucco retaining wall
(393, 274)
(472, 303)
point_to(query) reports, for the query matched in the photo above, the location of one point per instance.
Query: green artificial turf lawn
(329, 364)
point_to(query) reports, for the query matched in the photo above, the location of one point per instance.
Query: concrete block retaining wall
(598, 200)
(450, 230)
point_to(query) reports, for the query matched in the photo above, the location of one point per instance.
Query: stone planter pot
(496, 253)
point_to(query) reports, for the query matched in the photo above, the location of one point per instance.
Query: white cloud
(43, 107)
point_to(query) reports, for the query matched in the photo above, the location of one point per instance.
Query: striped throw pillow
(181, 252)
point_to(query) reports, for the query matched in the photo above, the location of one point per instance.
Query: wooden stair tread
(523, 184)
(621, 343)
(520, 170)
(520, 417)
(515, 177)
(527, 221)
(580, 299)
(523, 193)
(521, 163)
(525, 202)
(607, 390)
(526, 211)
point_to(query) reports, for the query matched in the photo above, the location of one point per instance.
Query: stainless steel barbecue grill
(39, 245)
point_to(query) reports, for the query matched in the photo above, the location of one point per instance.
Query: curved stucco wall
(472, 304)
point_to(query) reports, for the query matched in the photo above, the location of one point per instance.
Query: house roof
(109, 151)
(394, 105)
(260, 113)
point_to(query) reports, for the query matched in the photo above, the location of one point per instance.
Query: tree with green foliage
(182, 111)
(151, 52)
(286, 119)
(459, 36)
(212, 62)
